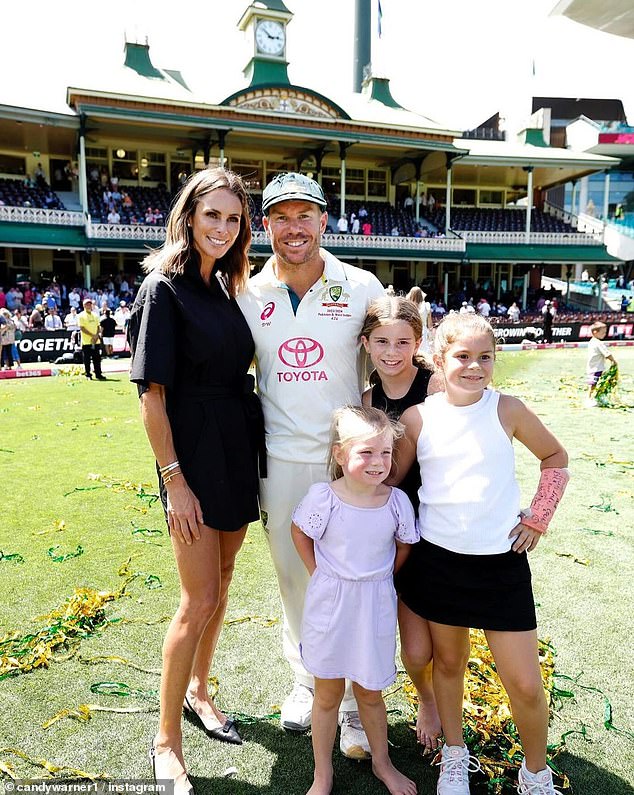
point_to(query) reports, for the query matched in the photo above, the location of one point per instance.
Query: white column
(529, 204)
(583, 195)
(525, 292)
(448, 202)
(87, 275)
(573, 200)
(446, 288)
(343, 186)
(83, 177)
(606, 195)
(417, 201)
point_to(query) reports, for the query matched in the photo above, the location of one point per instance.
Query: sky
(455, 61)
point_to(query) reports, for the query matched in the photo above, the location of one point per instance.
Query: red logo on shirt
(268, 310)
(300, 352)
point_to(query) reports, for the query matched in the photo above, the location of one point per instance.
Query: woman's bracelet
(169, 467)
(172, 475)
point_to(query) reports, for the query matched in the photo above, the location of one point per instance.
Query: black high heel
(228, 733)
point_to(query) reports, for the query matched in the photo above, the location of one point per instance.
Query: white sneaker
(297, 709)
(536, 783)
(353, 742)
(455, 765)
(590, 403)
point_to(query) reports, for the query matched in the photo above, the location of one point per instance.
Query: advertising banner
(562, 332)
(47, 346)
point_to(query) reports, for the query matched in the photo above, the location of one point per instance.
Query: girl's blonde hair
(178, 250)
(352, 424)
(416, 295)
(454, 326)
(390, 309)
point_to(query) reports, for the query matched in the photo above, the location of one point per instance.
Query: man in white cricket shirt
(305, 310)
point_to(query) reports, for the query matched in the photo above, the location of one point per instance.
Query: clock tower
(265, 23)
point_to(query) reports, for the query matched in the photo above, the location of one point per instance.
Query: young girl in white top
(351, 535)
(475, 569)
(391, 335)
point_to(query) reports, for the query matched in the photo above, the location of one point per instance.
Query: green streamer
(13, 557)
(64, 556)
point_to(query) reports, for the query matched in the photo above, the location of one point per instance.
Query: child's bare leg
(328, 695)
(416, 651)
(517, 661)
(374, 720)
(451, 655)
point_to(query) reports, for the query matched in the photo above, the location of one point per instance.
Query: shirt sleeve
(603, 349)
(313, 512)
(406, 529)
(152, 332)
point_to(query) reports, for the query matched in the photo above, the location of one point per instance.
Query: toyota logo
(300, 352)
(268, 310)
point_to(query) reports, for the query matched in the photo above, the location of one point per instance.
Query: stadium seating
(142, 198)
(16, 193)
(496, 220)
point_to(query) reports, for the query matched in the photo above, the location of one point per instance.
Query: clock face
(270, 37)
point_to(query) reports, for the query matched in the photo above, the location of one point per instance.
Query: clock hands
(275, 38)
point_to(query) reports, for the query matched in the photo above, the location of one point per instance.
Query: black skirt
(480, 591)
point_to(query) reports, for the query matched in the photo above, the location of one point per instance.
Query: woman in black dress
(191, 350)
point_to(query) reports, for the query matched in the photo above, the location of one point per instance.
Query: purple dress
(349, 621)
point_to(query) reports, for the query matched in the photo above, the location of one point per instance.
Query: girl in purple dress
(352, 534)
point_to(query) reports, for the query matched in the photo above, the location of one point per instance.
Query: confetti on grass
(560, 694)
(594, 532)
(607, 384)
(107, 482)
(605, 506)
(52, 769)
(582, 561)
(64, 556)
(12, 557)
(81, 615)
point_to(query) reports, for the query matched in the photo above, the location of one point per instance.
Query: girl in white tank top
(471, 524)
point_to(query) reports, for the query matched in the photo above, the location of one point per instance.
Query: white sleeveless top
(469, 498)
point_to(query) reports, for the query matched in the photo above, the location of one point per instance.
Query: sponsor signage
(301, 355)
(562, 332)
(47, 346)
(44, 346)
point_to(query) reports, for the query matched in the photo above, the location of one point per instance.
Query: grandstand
(445, 208)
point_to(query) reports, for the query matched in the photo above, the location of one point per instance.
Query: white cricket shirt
(309, 363)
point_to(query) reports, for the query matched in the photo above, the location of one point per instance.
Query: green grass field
(56, 433)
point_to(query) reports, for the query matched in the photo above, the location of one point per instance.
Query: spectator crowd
(55, 307)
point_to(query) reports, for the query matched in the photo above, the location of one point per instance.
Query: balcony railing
(382, 241)
(534, 238)
(584, 222)
(456, 242)
(125, 232)
(37, 215)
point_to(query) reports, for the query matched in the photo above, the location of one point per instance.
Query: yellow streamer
(50, 767)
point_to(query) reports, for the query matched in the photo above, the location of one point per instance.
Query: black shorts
(480, 591)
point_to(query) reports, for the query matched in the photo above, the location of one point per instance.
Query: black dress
(394, 407)
(192, 339)
(409, 574)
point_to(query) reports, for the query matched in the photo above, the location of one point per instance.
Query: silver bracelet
(169, 467)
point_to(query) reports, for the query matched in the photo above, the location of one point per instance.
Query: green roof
(523, 253)
(137, 58)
